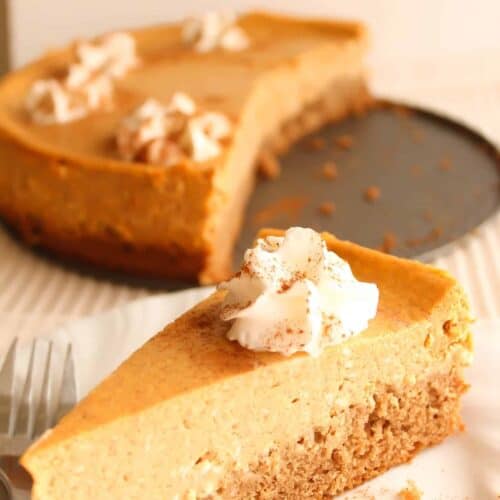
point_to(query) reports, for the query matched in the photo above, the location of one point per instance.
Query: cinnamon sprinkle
(245, 268)
(445, 164)
(345, 141)
(291, 207)
(287, 284)
(327, 208)
(410, 492)
(316, 144)
(329, 170)
(372, 194)
(433, 235)
(389, 243)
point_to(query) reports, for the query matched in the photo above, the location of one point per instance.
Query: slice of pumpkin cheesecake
(320, 365)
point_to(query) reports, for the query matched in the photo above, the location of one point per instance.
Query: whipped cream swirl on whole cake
(167, 134)
(215, 30)
(88, 84)
(293, 294)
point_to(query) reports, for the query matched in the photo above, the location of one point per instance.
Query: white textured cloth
(465, 87)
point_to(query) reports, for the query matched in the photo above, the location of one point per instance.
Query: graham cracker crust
(109, 251)
(391, 432)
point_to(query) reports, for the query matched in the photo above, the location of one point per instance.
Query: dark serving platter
(437, 181)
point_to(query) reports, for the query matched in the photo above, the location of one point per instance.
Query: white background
(401, 28)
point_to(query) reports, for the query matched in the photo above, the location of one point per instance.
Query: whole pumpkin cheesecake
(137, 151)
(318, 366)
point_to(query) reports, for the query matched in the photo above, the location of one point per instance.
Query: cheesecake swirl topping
(215, 30)
(293, 294)
(170, 134)
(88, 84)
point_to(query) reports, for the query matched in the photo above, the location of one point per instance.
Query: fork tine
(42, 420)
(22, 419)
(67, 392)
(7, 387)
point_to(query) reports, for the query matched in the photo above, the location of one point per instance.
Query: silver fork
(24, 419)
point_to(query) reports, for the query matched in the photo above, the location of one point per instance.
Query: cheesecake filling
(215, 30)
(293, 294)
(170, 134)
(88, 84)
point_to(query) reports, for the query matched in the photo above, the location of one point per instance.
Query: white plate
(466, 466)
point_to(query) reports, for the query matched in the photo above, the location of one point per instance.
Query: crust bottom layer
(391, 432)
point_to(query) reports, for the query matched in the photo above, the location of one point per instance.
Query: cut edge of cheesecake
(199, 243)
(193, 414)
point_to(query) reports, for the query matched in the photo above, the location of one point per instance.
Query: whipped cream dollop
(293, 294)
(88, 84)
(167, 134)
(214, 30)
